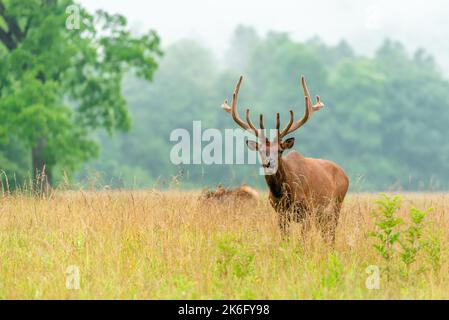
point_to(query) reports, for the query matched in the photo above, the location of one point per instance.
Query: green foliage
(433, 249)
(334, 272)
(235, 259)
(394, 243)
(413, 237)
(386, 223)
(57, 84)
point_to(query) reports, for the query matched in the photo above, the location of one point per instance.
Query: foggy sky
(364, 24)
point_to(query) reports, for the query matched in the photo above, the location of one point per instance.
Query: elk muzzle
(268, 163)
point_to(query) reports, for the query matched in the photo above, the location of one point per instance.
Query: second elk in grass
(242, 193)
(298, 185)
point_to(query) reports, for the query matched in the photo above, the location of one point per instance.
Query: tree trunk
(42, 175)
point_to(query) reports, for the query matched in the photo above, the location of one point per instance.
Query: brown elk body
(223, 194)
(298, 185)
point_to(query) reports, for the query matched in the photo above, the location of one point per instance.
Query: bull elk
(298, 185)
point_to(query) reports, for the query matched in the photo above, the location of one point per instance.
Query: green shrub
(400, 242)
(412, 241)
(234, 258)
(386, 231)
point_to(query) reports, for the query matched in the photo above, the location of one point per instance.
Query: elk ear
(288, 144)
(253, 146)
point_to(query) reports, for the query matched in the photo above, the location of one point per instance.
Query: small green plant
(396, 244)
(334, 272)
(386, 228)
(413, 240)
(234, 259)
(433, 249)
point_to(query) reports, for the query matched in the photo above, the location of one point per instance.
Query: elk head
(271, 151)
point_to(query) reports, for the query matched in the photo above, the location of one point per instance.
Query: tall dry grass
(166, 245)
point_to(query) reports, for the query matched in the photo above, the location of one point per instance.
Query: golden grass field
(166, 245)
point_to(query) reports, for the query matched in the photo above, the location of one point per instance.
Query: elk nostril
(268, 163)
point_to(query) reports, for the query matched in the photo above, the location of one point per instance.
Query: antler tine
(225, 106)
(284, 131)
(232, 109)
(235, 94)
(262, 126)
(319, 105)
(278, 121)
(250, 123)
(306, 91)
(309, 108)
(303, 120)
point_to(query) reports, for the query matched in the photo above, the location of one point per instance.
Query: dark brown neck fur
(276, 181)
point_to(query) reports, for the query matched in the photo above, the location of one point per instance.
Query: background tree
(59, 82)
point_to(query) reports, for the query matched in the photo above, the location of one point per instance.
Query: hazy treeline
(385, 121)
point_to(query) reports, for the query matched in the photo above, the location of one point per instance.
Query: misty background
(363, 24)
(380, 67)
